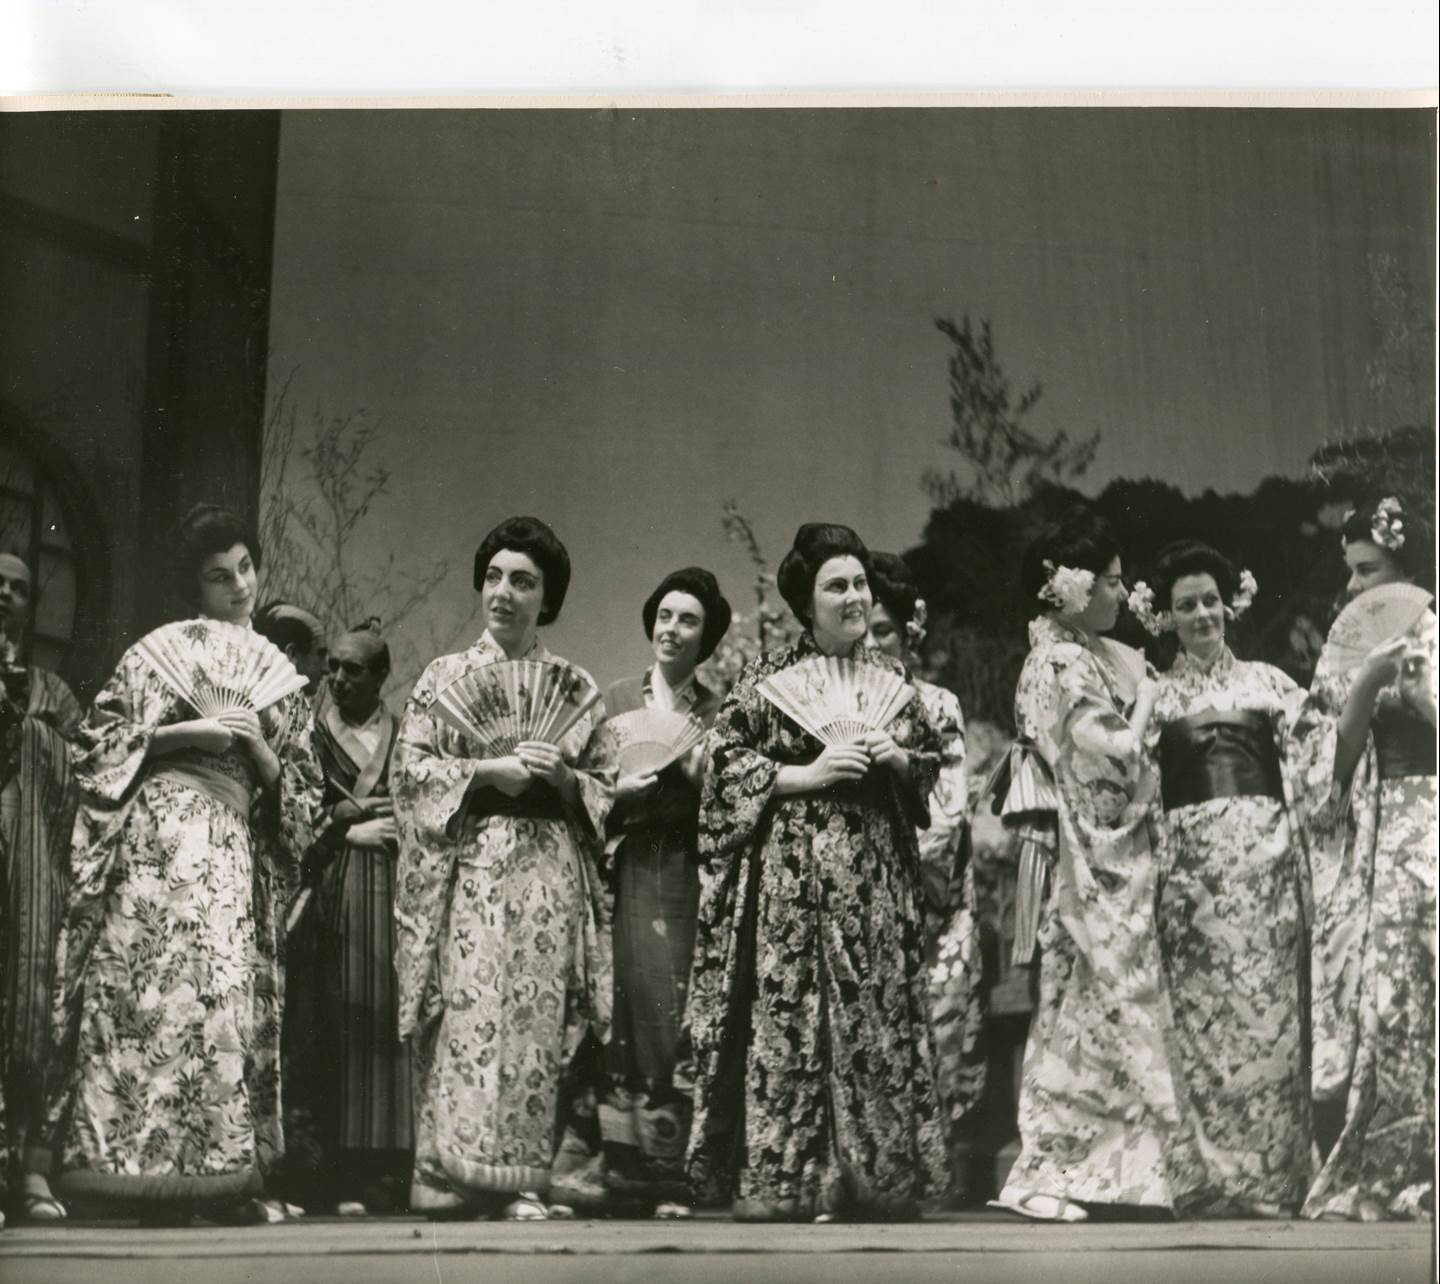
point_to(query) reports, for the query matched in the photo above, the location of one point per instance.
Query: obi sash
(205, 779)
(1218, 755)
(675, 805)
(538, 802)
(1404, 743)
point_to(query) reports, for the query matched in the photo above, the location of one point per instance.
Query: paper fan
(219, 668)
(648, 740)
(1377, 615)
(502, 704)
(837, 700)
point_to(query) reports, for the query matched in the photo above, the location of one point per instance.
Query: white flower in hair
(1068, 588)
(1244, 596)
(915, 626)
(1387, 526)
(1142, 606)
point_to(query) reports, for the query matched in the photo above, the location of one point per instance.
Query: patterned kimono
(502, 963)
(38, 715)
(645, 1118)
(170, 974)
(1372, 958)
(1100, 1120)
(809, 1011)
(349, 1067)
(952, 935)
(1231, 929)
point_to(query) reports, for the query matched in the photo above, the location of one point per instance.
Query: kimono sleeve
(739, 777)
(914, 731)
(288, 816)
(429, 785)
(584, 748)
(1100, 763)
(112, 742)
(941, 842)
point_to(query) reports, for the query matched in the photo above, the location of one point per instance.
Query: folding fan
(219, 668)
(649, 740)
(1376, 616)
(501, 704)
(837, 700)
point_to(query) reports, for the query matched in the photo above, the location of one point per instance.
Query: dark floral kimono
(38, 715)
(809, 1010)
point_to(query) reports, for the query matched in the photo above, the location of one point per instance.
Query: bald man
(38, 715)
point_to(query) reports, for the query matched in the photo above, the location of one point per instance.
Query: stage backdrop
(616, 320)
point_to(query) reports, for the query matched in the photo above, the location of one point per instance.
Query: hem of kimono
(127, 1188)
(499, 1178)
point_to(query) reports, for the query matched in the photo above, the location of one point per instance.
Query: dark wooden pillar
(209, 327)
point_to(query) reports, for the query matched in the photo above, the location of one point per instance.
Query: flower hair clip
(915, 625)
(1388, 524)
(1067, 588)
(1244, 596)
(1142, 606)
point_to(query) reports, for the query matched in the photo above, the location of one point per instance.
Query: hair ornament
(1142, 606)
(1067, 588)
(1244, 596)
(915, 625)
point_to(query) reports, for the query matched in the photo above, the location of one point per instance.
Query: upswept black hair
(531, 536)
(1191, 557)
(1079, 538)
(279, 622)
(894, 587)
(1413, 556)
(205, 530)
(815, 544)
(705, 589)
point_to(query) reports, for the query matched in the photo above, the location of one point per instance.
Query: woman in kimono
(38, 716)
(186, 847)
(815, 1070)
(502, 967)
(1100, 1120)
(645, 1118)
(952, 937)
(1230, 891)
(1365, 748)
(349, 1068)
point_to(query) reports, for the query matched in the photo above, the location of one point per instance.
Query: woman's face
(1103, 608)
(840, 604)
(1370, 566)
(512, 598)
(227, 585)
(884, 635)
(1199, 613)
(679, 628)
(354, 685)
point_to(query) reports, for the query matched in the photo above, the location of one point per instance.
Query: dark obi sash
(1404, 743)
(1218, 755)
(538, 802)
(675, 805)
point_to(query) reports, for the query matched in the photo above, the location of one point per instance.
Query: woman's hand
(839, 765)
(244, 725)
(1147, 691)
(1382, 665)
(544, 761)
(205, 734)
(508, 774)
(636, 786)
(882, 749)
(376, 834)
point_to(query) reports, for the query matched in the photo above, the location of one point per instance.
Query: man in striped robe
(38, 715)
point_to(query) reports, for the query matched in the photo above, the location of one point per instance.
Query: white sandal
(1040, 1207)
(526, 1207)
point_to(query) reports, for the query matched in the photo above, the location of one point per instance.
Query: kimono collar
(806, 645)
(683, 698)
(489, 651)
(1047, 628)
(1186, 664)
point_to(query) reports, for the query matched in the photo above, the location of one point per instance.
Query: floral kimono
(169, 965)
(1372, 852)
(809, 1010)
(1100, 1120)
(502, 965)
(1231, 929)
(38, 716)
(347, 1071)
(951, 932)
